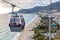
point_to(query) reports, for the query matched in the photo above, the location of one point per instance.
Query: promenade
(28, 32)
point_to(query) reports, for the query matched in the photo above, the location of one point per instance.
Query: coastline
(27, 33)
(5, 18)
(31, 21)
(19, 33)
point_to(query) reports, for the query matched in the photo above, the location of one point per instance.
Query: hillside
(53, 6)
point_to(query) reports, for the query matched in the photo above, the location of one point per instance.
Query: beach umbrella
(53, 25)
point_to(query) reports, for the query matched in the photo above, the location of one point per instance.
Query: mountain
(53, 6)
(35, 9)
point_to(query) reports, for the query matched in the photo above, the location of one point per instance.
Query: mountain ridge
(53, 6)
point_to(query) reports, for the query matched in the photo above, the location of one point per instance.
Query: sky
(25, 4)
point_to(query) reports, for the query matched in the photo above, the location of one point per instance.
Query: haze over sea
(24, 4)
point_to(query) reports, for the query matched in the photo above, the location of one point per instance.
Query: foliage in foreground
(39, 36)
(38, 33)
(42, 28)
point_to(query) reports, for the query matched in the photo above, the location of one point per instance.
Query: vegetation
(57, 37)
(38, 33)
(43, 28)
(39, 36)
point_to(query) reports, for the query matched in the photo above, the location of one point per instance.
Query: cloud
(26, 4)
(4, 10)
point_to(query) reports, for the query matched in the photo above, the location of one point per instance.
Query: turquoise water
(5, 32)
(28, 17)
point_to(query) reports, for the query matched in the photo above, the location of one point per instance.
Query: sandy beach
(27, 33)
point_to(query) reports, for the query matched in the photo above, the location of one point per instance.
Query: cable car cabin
(22, 22)
(16, 21)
